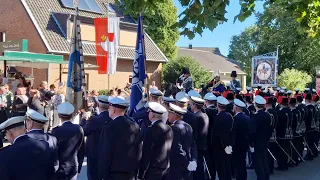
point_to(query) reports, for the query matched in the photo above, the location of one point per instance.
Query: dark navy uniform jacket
(241, 128)
(202, 121)
(303, 110)
(211, 111)
(190, 118)
(120, 147)
(142, 118)
(310, 116)
(156, 148)
(53, 145)
(92, 129)
(296, 116)
(221, 132)
(260, 130)
(70, 137)
(183, 150)
(251, 109)
(284, 121)
(26, 159)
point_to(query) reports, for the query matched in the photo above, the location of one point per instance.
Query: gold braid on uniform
(217, 84)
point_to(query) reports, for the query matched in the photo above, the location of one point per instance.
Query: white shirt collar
(155, 121)
(175, 121)
(237, 113)
(211, 105)
(17, 138)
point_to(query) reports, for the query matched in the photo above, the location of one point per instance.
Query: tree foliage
(198, 15)
(159, 21)
(293, 78)
(172, 70)
(275, 27)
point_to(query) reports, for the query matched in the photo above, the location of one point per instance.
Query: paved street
(305, 171)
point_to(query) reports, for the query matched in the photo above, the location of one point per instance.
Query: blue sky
(221, 36)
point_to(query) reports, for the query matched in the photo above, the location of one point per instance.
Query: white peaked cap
(210, 97)
(65, 108)
(259, 100)
(157, 108)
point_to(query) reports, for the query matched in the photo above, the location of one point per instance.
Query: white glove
(251, 149)
(192, 166)
(228, 149)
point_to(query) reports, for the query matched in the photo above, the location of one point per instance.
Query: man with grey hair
(92, 129)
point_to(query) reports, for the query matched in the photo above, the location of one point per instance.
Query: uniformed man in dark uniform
(274, 119)
(211, 110)
(27, 158)
(202, 133)
(310, 128)
(241, 144)
(234, 84)
(165, 103)
(260, 133)
(120, 145)
(303, 110)
(297, 141)
(251, 109)
(141, 116)
(221, 139)
(183, 151)
(92, 130)
(230, 97)
(157, 143)
(35, 123)
(70, 137)
(182, 100)
(284, 133)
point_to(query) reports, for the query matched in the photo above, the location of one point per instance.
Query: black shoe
(308, 158)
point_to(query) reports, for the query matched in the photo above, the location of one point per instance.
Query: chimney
(190, 46)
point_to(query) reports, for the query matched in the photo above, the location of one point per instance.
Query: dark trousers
(310, 138)
(223, 165)
(273, 150)
(239, 164)
(121, 176)
(282, 158)
(261, 167)
(92, 168)
(300, 145)
(296, 143)
(211, 165)
(200, 173)
(3, 116)
(177, 172)
(156, 174)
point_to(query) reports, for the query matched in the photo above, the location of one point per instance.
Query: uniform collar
(238, 113)
(66, 122)
(155, 122)
(211, 105)
(36, 130)
(18, 138)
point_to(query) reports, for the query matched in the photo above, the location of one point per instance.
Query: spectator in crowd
(57, 100)
(93, 102)
(119, 92)
(34, 101)
(9, 98)
(15, 83)
(42, 89)
(23, 81)
(52, 88)
(153, 85)
(111, 93)
(3, 104)
(19, 106)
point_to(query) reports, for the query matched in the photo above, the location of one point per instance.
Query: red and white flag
(107, 42)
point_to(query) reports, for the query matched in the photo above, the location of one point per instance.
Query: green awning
(31, 57)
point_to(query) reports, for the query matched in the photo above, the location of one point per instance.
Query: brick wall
(16, 23)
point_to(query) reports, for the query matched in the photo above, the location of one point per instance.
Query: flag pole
(108, 51)
(145, 57)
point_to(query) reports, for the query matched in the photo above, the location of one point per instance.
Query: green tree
(293, 78)
(276, 27)
(159, 21)
(172, 70)
(198, 15)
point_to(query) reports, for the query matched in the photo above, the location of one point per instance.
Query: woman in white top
(57, 99)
